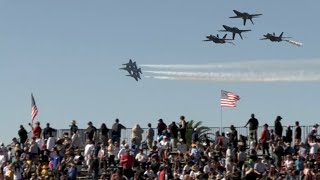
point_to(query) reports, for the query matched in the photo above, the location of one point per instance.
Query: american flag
(34, 109)
(229, 99)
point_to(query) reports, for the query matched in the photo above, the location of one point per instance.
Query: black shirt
(90, 132)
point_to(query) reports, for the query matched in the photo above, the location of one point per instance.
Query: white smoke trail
(238, 76)
(294, 43)
(247, 65)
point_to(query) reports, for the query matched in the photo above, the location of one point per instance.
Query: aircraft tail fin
(281, 35)
(224, 37)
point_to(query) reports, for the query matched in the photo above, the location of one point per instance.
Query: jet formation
(234, 30)
(132, 69)
(245, 16)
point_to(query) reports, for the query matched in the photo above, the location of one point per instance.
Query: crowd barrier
(126, 134)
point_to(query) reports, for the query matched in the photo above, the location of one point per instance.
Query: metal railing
(126, 134)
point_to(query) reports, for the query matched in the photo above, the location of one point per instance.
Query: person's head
(73, 122)
(38, 123)
(160, 121)
(279, 118)
(297, 123)
(266, 126)
(21, 127)
(252, 115)
(117, 120)
(232, 127)
(149, 125)
(89, 123)
(182, 118)
(48, 124)
(103, 126)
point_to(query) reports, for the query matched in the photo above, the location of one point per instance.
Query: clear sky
(68, 54)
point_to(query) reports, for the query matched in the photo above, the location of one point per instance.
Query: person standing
(234, 136)
(137, 134)
(297, 134)
(23, 135)
(253, 126)
(265, 139)
(161, 127)
(289, 135)
(278, 127)
(48, 131)
(104, 131)
(183, 129)
(150, 136)
(174, 134)
(116, 131)
(91, 132)
(73, 128)
(127, 161)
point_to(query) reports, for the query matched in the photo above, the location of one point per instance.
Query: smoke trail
(247, 65)
(294, 43)
(239, 76)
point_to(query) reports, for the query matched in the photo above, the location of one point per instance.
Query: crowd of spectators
(165, 154)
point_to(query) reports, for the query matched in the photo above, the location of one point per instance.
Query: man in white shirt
(123, 150)
(88, 152)
(141, 157)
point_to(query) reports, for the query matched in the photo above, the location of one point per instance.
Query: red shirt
(162, 175)
(36, 131)
(129, 163)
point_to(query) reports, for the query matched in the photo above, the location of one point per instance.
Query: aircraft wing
(235, 17)
(255, 15)
(245, 30)
(264, 38)
(223, 31)
(207, 40)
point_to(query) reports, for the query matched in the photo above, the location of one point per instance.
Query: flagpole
(220, 119)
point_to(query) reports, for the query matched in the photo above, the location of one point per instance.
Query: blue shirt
(56, 159)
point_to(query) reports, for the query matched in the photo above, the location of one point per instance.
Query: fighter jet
(245, 16)
(130, 64)
(136, 76)
(234, 31)
(132, 69)
(274, 38)
(218, 40)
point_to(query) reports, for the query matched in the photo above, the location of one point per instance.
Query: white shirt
(313, 148)
(88, 150)
(141, 157)
(121, 152)
(2, 159)
(150, 174)
(206, 169)
(50, 143)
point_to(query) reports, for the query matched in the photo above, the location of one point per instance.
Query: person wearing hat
(278, 127)
(265, 139)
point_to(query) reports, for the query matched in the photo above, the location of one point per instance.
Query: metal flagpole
(220, 119)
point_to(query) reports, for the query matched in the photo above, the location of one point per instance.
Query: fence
(126, 134)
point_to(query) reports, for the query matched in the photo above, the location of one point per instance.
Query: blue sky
(68, 54)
